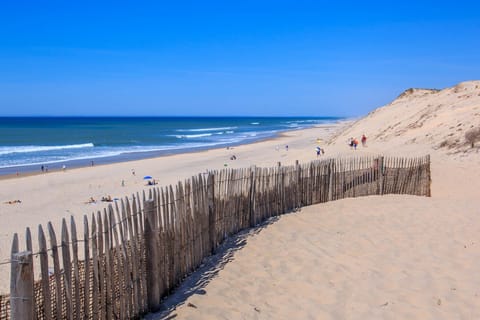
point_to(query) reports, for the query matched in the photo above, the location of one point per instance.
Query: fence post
(252, 191)
(331, 173)
(21, 286)
(298, 188)
(381, 172)
(429, 178)
(152, 272)
(211, 211)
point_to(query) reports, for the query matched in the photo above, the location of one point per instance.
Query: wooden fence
(135, 252)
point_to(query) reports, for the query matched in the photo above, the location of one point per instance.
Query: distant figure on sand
(91, 200)
(64, 167)
(13, 202)
(107, 199)
(286, 147)
(353, 143)
(319, 151)
(133, 171)
(364, 140)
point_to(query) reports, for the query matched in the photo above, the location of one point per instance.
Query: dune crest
(434, 118)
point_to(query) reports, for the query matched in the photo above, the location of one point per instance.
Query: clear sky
(311, 58)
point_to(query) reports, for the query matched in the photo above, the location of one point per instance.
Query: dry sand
(390, 257)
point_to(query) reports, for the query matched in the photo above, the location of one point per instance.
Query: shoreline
(33, 170)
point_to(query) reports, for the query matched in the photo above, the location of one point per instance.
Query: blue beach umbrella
(147, 177)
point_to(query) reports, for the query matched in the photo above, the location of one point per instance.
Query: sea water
(28, 143)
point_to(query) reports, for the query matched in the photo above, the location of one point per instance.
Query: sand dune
(435, 119)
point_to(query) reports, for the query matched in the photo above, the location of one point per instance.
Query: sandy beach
(60, 194)
(389, 257)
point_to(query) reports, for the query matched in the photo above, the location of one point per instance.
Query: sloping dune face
(434, 118)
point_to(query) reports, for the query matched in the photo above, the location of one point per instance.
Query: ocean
(28, 143)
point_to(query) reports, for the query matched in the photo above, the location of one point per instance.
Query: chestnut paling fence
(132, 254)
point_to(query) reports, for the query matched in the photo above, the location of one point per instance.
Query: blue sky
(278, 58)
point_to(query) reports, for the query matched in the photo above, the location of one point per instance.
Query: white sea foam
(193, 136)
(28, 149)
(206, 129)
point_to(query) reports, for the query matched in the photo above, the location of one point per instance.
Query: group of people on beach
(152, 182)
(353, 142)
(104, 199)
(13, 202)
(44, 168)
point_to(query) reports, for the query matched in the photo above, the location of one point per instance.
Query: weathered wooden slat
(56, 272)
(96, 273)
(67, 271)
(21, 286)
(102, 266)
(123, 233)
(163, 246)
(14, 262)
(173, 238)
(153, 294)
(133, 259)
(179, 231)
(429, 176)
(192, 246)
(43, 255)
(118, 289)
(210, 213)
(109, 302)
(168, 242)
(86, 286)
(142, 305)
(76, 272)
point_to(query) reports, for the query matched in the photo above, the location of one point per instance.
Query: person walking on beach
(319, 150)
(364, 140)
(355, 143)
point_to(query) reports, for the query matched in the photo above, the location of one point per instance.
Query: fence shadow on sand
(207, 271)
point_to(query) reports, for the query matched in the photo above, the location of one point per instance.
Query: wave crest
(206, 129)
(190, 136)
(29, 149)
